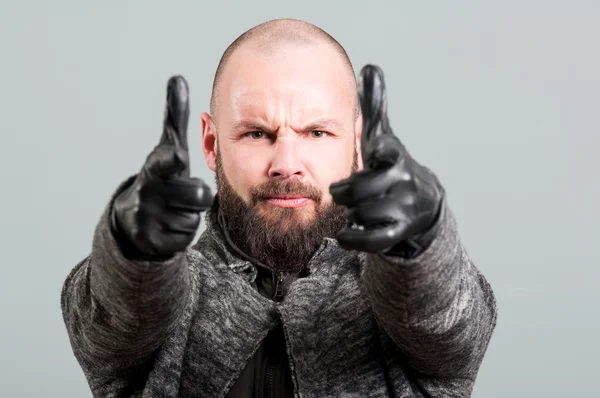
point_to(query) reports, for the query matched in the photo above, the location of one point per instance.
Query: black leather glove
(394, 203)
(159, 213)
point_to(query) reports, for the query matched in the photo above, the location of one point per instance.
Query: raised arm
(121, 302)
(426, 294)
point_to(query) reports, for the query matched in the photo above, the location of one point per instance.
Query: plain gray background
(501, 100)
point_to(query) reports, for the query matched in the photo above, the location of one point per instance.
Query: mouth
(290, 201)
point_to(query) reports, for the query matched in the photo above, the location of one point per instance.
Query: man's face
(285, 129)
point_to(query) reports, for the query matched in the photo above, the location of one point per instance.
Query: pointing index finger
(372, 94)
(373, 101)
(177, 113)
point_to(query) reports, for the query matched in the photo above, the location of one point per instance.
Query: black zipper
(269, 380)
(280, 277)
(270, 371)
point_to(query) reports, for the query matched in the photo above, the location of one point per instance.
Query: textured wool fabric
(358, 325)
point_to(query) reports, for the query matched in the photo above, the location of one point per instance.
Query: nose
(286, 163)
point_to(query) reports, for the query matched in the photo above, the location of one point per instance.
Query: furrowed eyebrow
(250, 126)
(321, 124)
(324, 124)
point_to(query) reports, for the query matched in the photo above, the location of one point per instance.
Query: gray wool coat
(358, 325)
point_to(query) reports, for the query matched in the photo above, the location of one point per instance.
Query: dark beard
(283, 239)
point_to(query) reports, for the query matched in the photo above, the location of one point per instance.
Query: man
(330, 265)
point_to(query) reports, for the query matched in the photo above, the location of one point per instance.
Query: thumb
(386, 151)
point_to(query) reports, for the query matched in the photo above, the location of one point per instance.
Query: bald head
(280, 35)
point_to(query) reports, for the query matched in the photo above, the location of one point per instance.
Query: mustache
(284, 187)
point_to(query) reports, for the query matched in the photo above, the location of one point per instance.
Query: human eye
(255, 135)
(318, 134)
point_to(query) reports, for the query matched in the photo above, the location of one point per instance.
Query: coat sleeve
(117, 312)
(437, 309)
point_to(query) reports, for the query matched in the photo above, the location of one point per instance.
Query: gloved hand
(393, 204)
(159, 213)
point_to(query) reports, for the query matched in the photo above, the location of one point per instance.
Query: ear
(209, 141)
(358, 135)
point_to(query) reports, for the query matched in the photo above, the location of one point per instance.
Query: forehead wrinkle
(253, 108)
(297, 99)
